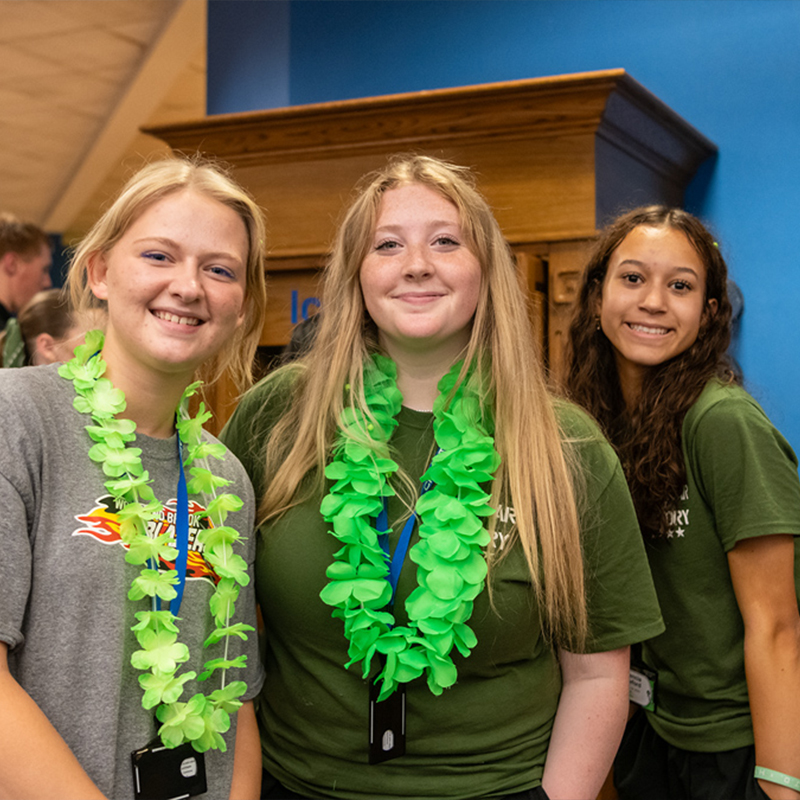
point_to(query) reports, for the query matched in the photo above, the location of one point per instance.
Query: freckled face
(174, 283)
(419, 280)
(653, 299)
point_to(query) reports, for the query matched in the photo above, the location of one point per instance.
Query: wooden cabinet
(556, 158)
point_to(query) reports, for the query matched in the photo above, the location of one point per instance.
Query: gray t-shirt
(64, 610)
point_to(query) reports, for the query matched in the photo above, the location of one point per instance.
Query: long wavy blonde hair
(536, 473)
(152, 183)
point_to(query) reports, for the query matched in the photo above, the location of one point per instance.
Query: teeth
(165, 315)
(645, 329)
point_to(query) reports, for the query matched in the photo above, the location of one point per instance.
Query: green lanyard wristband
(777, 777)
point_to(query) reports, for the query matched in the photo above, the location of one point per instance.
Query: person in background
(718, 499)
(45, 331)
(25, 261)
(127, 646)
(483, 652)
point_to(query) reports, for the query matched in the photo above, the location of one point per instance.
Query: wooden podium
(556, 158)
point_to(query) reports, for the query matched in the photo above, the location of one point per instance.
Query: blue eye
(389, 244)
(154, 256)
(448, 241)
(222, 272)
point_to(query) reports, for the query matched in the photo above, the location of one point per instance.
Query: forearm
(36, 762)
(247, 757)
(772, 665)
(588, 727)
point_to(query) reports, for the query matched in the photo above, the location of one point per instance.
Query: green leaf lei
(451, 568)
(202, 719)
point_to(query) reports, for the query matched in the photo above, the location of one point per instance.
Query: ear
(597, 303)
(8, 263)
(44, 350)
(712, 306)
(97, 274)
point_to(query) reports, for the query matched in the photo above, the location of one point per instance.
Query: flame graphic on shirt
(102, 524)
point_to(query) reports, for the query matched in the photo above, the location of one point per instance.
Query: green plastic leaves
(451, 568)
(201, 720)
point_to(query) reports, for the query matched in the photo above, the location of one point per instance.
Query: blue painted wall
(730, 67)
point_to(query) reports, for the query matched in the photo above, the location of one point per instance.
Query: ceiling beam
(163, 63)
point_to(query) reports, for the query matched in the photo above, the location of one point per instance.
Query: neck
(419, 373)
(631, 380)
(150, 397)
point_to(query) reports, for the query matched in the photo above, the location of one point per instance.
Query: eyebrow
(634, 263)
(433, 223)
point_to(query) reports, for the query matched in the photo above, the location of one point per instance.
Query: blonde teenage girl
(396, 667)
(128, 661)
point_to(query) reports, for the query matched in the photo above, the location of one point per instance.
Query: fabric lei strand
(203, 718)
(451, 568)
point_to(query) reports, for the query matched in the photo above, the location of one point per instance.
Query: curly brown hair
(647, 438)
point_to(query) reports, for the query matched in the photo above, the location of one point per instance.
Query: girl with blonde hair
(486, 653)
(718, 498)
(128, 662)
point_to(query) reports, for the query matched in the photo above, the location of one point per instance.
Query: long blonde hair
(536, 471)
(152, 183)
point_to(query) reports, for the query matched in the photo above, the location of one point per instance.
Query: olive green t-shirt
(741, 482)
(488, 734)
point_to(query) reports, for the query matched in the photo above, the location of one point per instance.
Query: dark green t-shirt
(488, 734)
(741, 482)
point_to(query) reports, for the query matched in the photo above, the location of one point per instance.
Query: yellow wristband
(777, 777)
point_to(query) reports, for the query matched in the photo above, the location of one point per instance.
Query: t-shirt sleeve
(745, 470)
(18, 471)
(621, 598)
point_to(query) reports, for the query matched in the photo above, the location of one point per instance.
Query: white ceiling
(78, 78)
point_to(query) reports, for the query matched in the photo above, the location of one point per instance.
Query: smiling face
(419, 280)
(174, 284)
(653, 300)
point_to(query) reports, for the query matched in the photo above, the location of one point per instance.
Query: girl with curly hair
(717, 496)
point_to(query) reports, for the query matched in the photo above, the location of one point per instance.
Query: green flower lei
(202, 719)
(451, 568)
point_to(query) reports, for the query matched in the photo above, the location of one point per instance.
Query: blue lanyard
(397, 559)
(181, 535)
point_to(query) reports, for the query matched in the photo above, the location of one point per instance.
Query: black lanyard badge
(387, 724)
(161, 773)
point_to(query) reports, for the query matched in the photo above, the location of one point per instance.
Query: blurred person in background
(25, 260)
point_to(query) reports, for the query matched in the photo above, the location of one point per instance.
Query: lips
(168, 316)
(419, 297)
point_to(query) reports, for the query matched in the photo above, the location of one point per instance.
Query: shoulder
(28, 393)
(593, 459)
(269, 398)
(248, 429)
(582, 435)
(575, 423)
(719, 401)
(727, 411)
(27, 380)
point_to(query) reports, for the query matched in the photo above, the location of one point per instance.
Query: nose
(185, 282)
(418, 263)
(653, 298)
